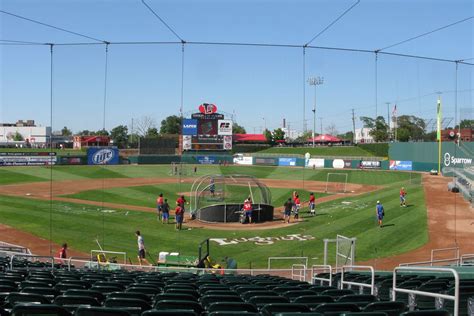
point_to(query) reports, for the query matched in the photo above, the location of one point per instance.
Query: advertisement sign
(190, 127)
(240, 159)
(338, 164)
(315, 163)
(347, 164)
(266, 161)
(287, 162)
(206, 160)
(227, 142)
(224, 127)
(207, 108)
(450, 160)
(27, 158)
(370, 164)
(207, 127)
(187, 142)
(102, 156)
(401, 165)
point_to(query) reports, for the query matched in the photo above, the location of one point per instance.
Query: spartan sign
(207, 108)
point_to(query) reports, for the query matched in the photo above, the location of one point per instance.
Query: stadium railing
(454, 297)
(455, 249)
(371, 286)
(298, 272)
(324, 267)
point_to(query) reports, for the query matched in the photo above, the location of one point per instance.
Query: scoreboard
(207, 130)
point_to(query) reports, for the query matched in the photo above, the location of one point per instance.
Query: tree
(143, 124)
(380, 130)
(303, 138)
(85, 132)
(410, 127)
(237, 129)
(18, 137)
(171, 125)
(66, 131)
(465, 124)
(152, 132)
(331, 129)
(278, 134)
(102, 132)
(347, 136)
(368, 122)
(119, 135)
(268, 136)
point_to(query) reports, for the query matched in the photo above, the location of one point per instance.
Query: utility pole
(388, 117)
(353, 127)
(315, 81)
(321, 124)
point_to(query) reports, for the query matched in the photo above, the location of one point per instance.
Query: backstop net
(345, 251)
(336, 183)
(179, 169)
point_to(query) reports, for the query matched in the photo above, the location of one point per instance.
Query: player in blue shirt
(380, 213)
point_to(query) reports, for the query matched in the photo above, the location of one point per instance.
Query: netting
(336, 183)
(345, 251)
(179, 169)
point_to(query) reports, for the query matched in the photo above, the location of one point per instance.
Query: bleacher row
(35, 289)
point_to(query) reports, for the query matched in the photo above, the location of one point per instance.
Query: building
(24, 132)
(90, 141)
(362, 136)
(467, 135)
(291, 134)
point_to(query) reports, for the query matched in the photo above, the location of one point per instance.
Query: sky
(259, 86)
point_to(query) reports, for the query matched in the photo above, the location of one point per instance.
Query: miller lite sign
(224, 127)
(207, 108)
(102, 156)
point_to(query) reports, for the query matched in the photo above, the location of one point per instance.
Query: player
(141, 249)
(181, 201)
(288, 207)
(63, 252)
(212, 187)
(248, 209)
(159, 206)
(179, 214)
(296, 207)
(379, 211)
(312, 204)
(403, 194)
(166, 212)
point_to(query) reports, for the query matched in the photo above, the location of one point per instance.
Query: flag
(394, 112)
(438, 125)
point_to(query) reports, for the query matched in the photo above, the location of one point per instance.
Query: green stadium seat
(35, 284)
(139, 296)
(433, 312)
(40, 310)
(148, 290)
(13, 299)
(173, 312)
(175, 296)
(219, 292)
(294, 294)
(8, 288)
(206, 300)
(336, 307)
(91, 293)
(230, 313)
(183, 291)
(334, 293)
(364, 314)
(313, 301)
(231, 306)
(106, 289)
(274, 308)
(260, 301)
(101, 311)
(247, 295)
(178, 304)
(390, 308)
(245, 288)
(299, 314)
(359, 298)
(48, 292)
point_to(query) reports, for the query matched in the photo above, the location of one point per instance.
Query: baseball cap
(378, 202)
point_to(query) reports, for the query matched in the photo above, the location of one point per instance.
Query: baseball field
(79, 204)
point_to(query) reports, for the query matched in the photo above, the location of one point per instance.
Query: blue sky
(252, 82)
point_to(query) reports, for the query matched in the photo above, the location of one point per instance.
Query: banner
(227, 142)
(315, 163)
(224, 127)
(206, 160)
(401, 165)
(370, 164)
(287, 162)
(266, 161)
(190, 127)
(187, 142)
(243, 160)
(102, 156)
(338, 164)
(27, 158)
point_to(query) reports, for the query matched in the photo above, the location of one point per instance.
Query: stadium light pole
(315, 81)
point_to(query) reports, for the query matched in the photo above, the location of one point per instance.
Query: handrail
(372, 280)
(465, 256)
(30, 256)
(285, 258)
(321, 267)
(299, 267)
(454, 297)
(444, 249)
(407, 264)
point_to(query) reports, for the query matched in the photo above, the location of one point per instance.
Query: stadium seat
(100, 311)
(231, 306)
(271, 309)
(360, 300)
(173, 312)
(48, 292)
(91, 293)
(313, 300)
(390, 308)
(174, 296)
(336, 307)
(334, 293)
(106, 289)
(247, 295)
(229, 313)
(260, 301)
(139, 296)
(178, 304)
(293, 294)
(35, 284)
(36, 309)
(131, 303)
(219, 292)
(16, 298)
(206, 300)
(364, 314)
(433, 312)
(148, 290)
(183, 291)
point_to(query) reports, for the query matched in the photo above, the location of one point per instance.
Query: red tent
(249, 138)
(326, 138)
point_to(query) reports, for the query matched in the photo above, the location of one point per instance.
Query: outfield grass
(79, 225)
(343, 151)
(11, 175)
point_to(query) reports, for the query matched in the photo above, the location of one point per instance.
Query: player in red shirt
(403, 201)
(248, 209)
(63, 252)
(159, 205)
(179, 213)
(297, 206)
(312, 204)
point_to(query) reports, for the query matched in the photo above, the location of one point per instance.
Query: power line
(22, 42)
(162, 21)
(51, 26)
(333, 22)
(424, 34)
